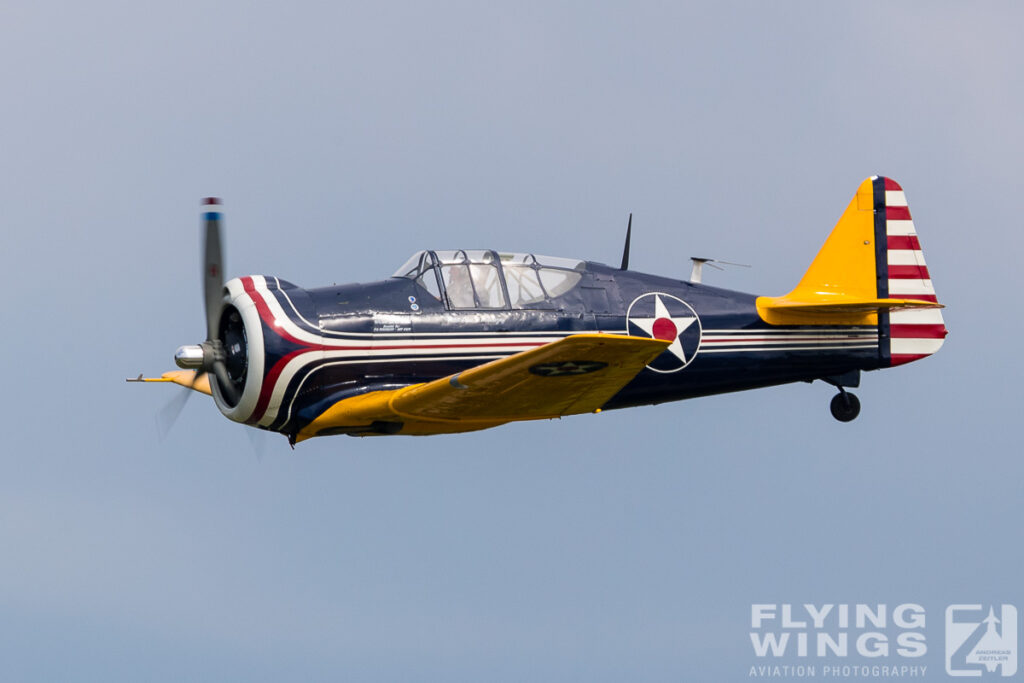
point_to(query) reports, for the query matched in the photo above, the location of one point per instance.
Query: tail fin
(870, 271)
(912, 334)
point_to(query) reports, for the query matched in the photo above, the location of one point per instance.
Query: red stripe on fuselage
(891, 184)
(265, 315)
(269, 381)
(785, 340)
(270, 376)
(897, 213)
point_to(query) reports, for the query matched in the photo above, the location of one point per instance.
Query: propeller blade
(213, 267)
(258, 442)
(170, 413)
(224, 383)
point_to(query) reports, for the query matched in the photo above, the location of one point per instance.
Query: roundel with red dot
(663, 316)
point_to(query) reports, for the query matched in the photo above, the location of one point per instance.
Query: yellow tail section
(843, 286)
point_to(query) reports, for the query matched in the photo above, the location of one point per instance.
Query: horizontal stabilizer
(783, 310)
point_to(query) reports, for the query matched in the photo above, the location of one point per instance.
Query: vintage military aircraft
(463, 340)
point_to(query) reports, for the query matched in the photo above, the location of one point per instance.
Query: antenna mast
(625, 250)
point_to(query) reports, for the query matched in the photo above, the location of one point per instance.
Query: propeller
(168, 416)
(170, 413)
(210, 357)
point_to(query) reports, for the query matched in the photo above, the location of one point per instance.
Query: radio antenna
(625, 250)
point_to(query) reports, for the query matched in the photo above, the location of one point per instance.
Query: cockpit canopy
(486, 279)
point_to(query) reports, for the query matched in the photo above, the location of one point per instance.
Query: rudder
(904, 335)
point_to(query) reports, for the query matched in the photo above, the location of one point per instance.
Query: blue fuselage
(393, 333)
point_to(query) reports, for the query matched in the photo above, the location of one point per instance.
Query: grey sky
(624, 546)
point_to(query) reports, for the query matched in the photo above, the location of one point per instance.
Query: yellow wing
(578, 374)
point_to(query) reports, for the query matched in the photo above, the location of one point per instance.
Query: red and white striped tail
(913, 334)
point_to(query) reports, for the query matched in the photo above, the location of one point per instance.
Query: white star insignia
(664, 326)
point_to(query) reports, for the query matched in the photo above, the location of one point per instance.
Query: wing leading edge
(578, 374)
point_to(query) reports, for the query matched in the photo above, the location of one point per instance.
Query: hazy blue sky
(624, 546)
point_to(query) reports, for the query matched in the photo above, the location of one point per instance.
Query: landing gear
(844, 406)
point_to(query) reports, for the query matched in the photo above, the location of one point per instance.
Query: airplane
(463, 340)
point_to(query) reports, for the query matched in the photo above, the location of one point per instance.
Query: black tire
(845, 407)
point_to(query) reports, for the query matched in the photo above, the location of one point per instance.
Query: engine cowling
(241, 334)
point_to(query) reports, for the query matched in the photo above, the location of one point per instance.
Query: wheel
(845, 406)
